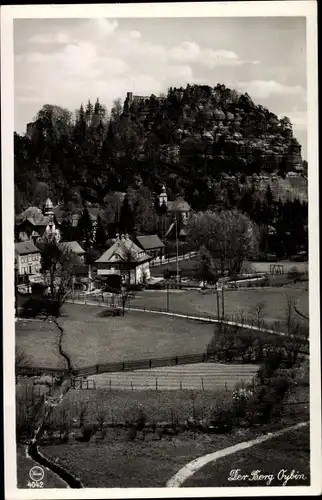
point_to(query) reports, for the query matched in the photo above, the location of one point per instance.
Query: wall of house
(103, 269)
(29, 264)
(137, 275)
(142, 272)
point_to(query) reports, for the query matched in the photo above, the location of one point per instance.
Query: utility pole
(222, 303)
(177, 244)
(168, 296)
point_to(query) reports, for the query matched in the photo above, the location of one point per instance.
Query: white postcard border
(231, 9)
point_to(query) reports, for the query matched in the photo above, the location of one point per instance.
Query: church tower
(163, 198)
(51, 232)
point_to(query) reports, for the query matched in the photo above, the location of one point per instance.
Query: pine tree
(89, 113)
(85, 228)
(100, 233)
(127, 221)
(97, 107)
(157, 205)
(66, 231)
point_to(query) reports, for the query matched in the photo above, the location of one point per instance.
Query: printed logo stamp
(36, 474)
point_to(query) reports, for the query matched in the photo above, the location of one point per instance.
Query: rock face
(187, 140)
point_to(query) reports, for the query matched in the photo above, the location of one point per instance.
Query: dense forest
(201, 142)
(186, 139)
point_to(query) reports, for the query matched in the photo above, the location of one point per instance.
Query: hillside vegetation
(204, 143)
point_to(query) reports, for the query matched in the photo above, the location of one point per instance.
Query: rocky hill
(189, 139)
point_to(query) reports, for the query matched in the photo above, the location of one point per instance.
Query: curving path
(192, 467)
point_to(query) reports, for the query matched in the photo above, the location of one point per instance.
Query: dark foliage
(201, 141)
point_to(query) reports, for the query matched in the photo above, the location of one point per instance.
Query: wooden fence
(141, 364)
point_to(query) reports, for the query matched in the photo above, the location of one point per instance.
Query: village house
(73, 246)
(152, 245)
(27, 259)
(35, 225)
(126, 259)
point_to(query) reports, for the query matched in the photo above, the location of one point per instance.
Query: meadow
(91, 339)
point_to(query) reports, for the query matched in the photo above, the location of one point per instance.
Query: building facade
(126, 259)
(27, 259)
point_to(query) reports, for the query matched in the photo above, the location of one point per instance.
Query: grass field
(291, 451)
(38, 340)
(90, 339)
(189, 266)
(236, 301)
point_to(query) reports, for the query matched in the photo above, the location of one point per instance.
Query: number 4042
(35, 484)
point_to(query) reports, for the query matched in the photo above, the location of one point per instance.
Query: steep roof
(25, 247)
(72, 246)
(34, 215)
(150, 242)
(118, 252)
(179, 205)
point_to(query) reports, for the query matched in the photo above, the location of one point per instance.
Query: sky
(68, 61)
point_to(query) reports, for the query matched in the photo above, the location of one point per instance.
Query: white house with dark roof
(27, 258)
(127, 259)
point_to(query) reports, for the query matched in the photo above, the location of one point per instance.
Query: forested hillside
(202, 142)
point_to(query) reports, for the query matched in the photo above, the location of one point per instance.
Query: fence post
(110, 384)
(180, 385)
(131, 385)
(97, 368)
(202, 383)
(123, 366)
(177, 361)
(150, 363)
(226, 386)
(156, 383)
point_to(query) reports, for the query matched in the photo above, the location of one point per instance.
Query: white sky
(67, 61)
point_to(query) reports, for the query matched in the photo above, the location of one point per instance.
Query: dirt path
(192, 467)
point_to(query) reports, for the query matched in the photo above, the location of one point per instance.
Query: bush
(33, 307)
(87, 432)
(294, 274)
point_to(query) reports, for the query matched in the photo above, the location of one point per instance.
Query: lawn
(24, 464)
(38, 340)
(236, 302)
(291, 451)
(90, 339)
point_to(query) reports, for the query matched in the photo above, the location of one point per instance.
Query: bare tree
(259, 313)
(229, 236)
